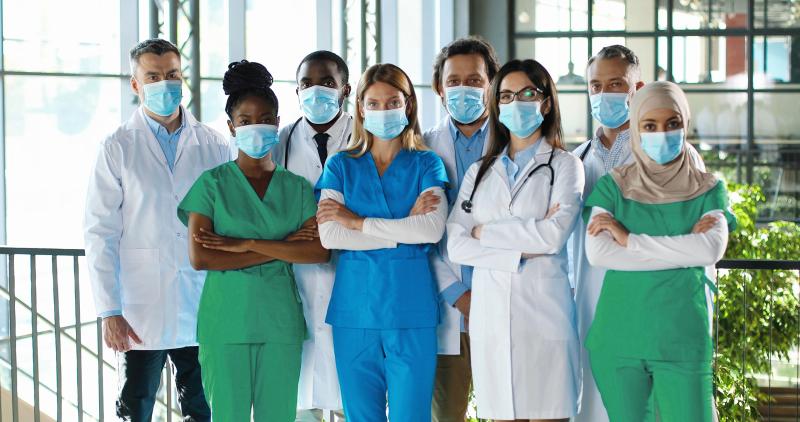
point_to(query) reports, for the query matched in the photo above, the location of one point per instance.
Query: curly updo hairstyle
(244, 79)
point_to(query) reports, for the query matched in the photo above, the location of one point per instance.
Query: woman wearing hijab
(655, 223)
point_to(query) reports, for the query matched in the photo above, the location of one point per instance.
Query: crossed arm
(610, 245)
(340, 228)
(210, 251)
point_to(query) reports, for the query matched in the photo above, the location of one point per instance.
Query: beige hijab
(646, 181)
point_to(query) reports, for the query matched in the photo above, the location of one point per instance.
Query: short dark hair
(156, 46)
(327, 56)
(617, 51)
(467, 45)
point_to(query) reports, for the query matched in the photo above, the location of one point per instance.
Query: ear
(230, 127)
(439, 91)
(135, 86)
(639, 85)
(346, 90)
(546, 106)
(408, 108)
(278, 121)
(297, 91)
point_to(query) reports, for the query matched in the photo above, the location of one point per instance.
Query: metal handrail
(54, 327)
(11, 250)
(759, 264)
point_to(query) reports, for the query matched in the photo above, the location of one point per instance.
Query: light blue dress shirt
(521, 159)
(167, 141)
(468, 150)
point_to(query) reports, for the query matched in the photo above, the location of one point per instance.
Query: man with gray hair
(613, 76)
(144, 288)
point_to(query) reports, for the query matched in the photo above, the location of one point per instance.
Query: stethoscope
(289, 142)
(467, 205)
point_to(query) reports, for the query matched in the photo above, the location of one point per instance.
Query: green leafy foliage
(758, 311)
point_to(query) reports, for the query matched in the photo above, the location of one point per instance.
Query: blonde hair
(394, 76)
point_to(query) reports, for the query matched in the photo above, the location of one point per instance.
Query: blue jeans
(139, 374)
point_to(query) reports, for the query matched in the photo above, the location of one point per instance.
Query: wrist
(358, 224)
(250, 244)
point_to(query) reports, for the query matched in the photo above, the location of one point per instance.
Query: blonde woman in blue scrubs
(378, 207)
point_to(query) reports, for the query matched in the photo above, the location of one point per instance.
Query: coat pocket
(139, 276)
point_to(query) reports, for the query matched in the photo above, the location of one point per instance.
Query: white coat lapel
(500, 169)
(187, 138)
(441, 142)
(139, 123)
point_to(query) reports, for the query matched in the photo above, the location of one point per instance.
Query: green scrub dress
(651, 329)
(250, 322)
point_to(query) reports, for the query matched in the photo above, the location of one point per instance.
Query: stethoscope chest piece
(466, 206)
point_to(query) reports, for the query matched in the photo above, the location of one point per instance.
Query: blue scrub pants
(371, 362)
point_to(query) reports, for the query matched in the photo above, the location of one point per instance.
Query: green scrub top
(258, 304)
(660, 315)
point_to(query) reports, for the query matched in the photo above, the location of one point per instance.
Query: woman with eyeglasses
(511, 222)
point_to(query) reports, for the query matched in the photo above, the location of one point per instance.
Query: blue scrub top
(383, 288)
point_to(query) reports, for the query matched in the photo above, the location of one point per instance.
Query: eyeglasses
(528, 94)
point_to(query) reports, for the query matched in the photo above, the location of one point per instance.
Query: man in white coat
(324, 129)
(613, 77)
(144, 288)
(462, 74)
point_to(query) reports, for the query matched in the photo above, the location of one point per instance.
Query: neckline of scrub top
(243, 179)
(389, 167)
(380, 179)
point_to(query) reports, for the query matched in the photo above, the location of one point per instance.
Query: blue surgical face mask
(610, 108)
(320, 104)
(521, 118)
(163, 97)
(465, 103)
(256, 140)
(663, 147)
(385, 124)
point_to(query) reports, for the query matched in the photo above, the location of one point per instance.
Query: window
(740, 110)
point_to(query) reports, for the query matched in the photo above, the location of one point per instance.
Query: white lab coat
(319, 384)
(440, 140)
(136, 248)
(588, 280)
(525, 358)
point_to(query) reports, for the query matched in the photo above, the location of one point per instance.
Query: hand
(554, 209)
(303, 234)
(425, 203)
(463, 303)
(531, 255)
(212, 240)
(466, 324)
(117, 332)
(330, 210)
(605, 221)
(704, 224)
(476, 231)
